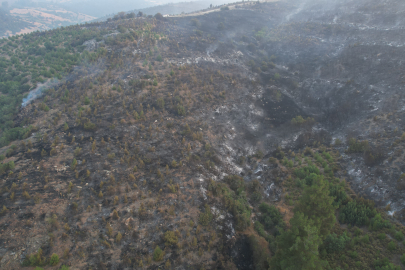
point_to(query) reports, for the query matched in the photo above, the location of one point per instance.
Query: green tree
(74, 164)
(316, 204)
(161, 103)
(297, 248)
(170, 238)
(54, 259)
(158, 254)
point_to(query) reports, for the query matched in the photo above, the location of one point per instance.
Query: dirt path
(232, 6)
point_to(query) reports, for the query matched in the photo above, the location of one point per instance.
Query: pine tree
(297, 248)
(158, 254)
(316, 204)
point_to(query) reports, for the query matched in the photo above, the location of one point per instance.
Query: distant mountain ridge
(10, 24)
(173, 8)
(26, 17)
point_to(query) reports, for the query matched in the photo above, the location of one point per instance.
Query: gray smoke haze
(352, 12)
(38, 91)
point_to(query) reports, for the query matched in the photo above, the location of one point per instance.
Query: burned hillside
(195, 142)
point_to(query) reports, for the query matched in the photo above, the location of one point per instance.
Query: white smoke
(38, 91)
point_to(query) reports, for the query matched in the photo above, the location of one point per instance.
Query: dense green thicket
(269, 224)
(334, 243)
(314, 239)
(356, 213)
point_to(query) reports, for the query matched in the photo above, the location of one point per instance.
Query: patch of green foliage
(338, 191)
(158, 254)
(357, 213)
(271, 217)
(300, 121)
(384, 264)
(170, 238)
(356, 146)
(54, 259)
(35, 259)
(206, 217)
(4, 167)
(334, 243)
(235, 202)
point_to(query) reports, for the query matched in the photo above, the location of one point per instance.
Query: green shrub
(306, 171)
(181, 110)
(89, 126)
(7, 167)
(309, 173)
(353, 254)
(158, 254)
(170, 238)
(392, 246)
(160, 103)
(260, 229)
(356, 146)
(54, 259)
(334, 243)
(399, 236)
(299, 120)
(378, 223)
(384, 264)
(34, 259)
(74, 164)
(271, 216)
(236, 183)
(357, 231)
(206, 217)
(356, 213)
(365, 239)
